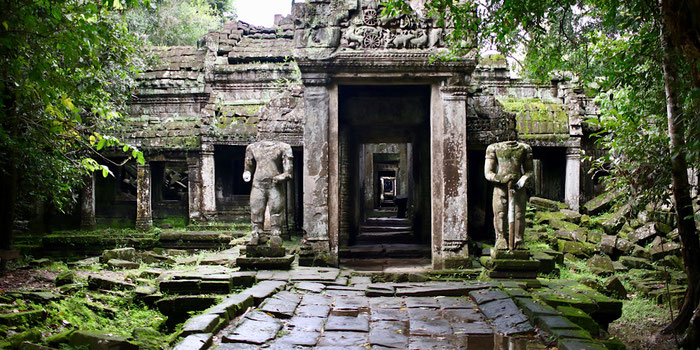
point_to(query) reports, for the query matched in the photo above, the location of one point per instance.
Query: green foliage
(176, 22)
(68, 69)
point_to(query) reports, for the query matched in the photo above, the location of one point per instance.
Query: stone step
(384, 237)
(388, 221)
(384, 228)
(377, 251)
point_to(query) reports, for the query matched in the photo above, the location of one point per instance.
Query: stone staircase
(383, 236)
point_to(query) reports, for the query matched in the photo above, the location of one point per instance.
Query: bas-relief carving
(509, 166)
(269, 165)
(346, 25)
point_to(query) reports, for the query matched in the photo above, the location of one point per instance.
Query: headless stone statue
(271, 163)
(509, 166)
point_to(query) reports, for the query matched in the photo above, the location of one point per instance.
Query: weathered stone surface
(128, 254)
(487, 295)
(205, 323)
(63, 278)
(180, 305)
(310, 286)
(472, 328)
(581, 319)
(296, 337)
(264, 289)
(548, 323)
(599, 204)
(455, 303)
(281, 304)
(379, 314)
(424, 302)
(578, 249)
(232, 305)
(122, 264)
(607, 244)
(635, 263)
(30, 318)
(242, 278)
(180, 286)
(435, 289)
(253, 331)
(624, 245)
(579, 344)
(644, 234)
(347, 323)
(194, 342)
(614, 222)
(660, 251)
(546, 204)
(388, 339)
(265, 263)
(499, 308)
(601, 265)
(429, 327)
(264, 251)
(100, 341)
(614, 288)
(312, 311)
(306, 324)
(344, 340)
(535, 309)
(100, 282)
(571, 215)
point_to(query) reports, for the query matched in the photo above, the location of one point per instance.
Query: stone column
(144, 219)
(194, 188)
(402, 176)
(316, 167)
(87, 204)
(449, 169)
(208, 176)
(572, 184)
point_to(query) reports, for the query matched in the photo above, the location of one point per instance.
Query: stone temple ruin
(387, 140)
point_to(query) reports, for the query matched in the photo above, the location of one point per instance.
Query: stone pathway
(331, 310)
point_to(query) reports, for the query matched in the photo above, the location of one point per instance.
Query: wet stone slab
(296, 337)
(305, 324)
(314, 287)
(430, 327)
(498, 308)
(388, 339)
(425, 302)
(311, 310)
(486, 295)
(455, 303)
(378, 314)
(253, 332)
(347, 323)
(471, 328)
(314, 299)
(281, 304)
(344, 339)
(387, 303)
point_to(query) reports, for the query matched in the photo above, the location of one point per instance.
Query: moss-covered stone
(26, 318)
(580, 318)
(63, 278)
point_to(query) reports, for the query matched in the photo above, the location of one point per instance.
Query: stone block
(281, 304)
(205, 323)
(613, 287)
(195, 342)
(515, 265)
(580, 344)
(615, 222)
(96, 282)
(601, 265)
(520, 254)
(264, 251)
(644, 234)
(189, 286)
(571, 216)
(598, 204)
(579, 249)
(265, 263)
(100, 341)
(253, 332)
(549, 323)
(636, 263)
(122, 264)
(547, 262)
(182, 305)
(546, 204)
(215, 287)
(27, 318)
(660, 251)
(580, 318)
(534, 309)
(264, 289)
(63, 278)
(128, 254)
(242, 278)
(233, 305)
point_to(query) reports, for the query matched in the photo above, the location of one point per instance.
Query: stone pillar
(572, 184)
(144, 219)
(194, 188)
(208, 176)
(402, 176)
(449, 182)
(316, 168)
(87, 204)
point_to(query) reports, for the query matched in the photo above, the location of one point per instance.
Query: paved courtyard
(330, 309)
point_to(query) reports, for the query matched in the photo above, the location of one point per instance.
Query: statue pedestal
(264, 256)
(514, 264)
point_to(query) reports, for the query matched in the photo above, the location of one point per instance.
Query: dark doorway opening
(384, 145)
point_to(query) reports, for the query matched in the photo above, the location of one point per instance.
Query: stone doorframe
(448, 155)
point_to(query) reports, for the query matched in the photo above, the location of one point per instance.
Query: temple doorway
(384, 175)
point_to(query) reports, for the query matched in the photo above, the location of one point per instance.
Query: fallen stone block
(182, 305)
(28, 318)
(599, 204)
(190, 286)
(614, 288)
(122, 264)
(96, 282)
(546, 204)
(601, 265)
(233, 305)
(644, 234)
(636, 263)
(265, 263)
(264, 289)
(63, 278)
(128, 254)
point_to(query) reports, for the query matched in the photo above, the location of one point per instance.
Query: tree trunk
(681, 189)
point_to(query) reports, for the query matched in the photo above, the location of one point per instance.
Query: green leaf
(4, 24)
(101, 144)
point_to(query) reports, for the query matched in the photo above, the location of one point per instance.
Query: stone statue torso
(268, 157)
(510, 156)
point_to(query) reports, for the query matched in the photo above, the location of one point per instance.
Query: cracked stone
(347, 323)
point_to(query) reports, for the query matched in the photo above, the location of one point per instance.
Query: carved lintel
(454, 92)
(315, 79)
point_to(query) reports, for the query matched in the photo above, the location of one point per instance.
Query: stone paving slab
(388, 339)
(314, 287)
(430, 327)
(455, 303)
(314, 274)
(194, 342)
(305, 324)
(311, 310)
(315, 299)
(200, 324)
(486, 295)
(253, 332)
(427, 302)
(360, 323)
(281, 304)
(378, 314)
(344, 339)
(264, 289)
